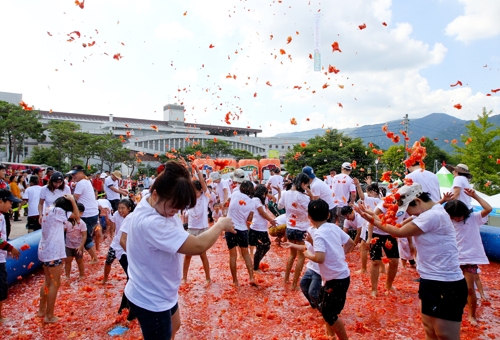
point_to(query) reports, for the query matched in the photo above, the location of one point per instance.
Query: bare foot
(81, 277)
(68, 278)
(390, 290)
(257, 271)
(472, 321)
(51, 320)
(40, 313)
(294, 287)
(2, 319)
(208, 281)
(183, 281)
(374, 293)
(361, 271)
(484, 298)
(94, 261)
(235, 283)
(252, 283)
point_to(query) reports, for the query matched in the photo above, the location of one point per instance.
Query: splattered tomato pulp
(88, 310)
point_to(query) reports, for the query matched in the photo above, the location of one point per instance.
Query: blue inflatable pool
(491, 242)
(23, 267)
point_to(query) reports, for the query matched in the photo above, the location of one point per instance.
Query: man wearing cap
(344, 192)
(321, 190)
(426, 179)
(48, 172)
(238, 176)
(84, 194)
(221, 189)
(112, 189)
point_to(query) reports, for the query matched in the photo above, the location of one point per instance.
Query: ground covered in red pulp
(272, 310)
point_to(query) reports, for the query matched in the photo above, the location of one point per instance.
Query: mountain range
(440, 127)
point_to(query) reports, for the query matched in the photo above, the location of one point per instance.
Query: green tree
(330, 151)
(242, 154)
(217, 149)
(393, 158)
(480, 150)
(17, 125)
(42, 155)
(434, 153)
(62, 135)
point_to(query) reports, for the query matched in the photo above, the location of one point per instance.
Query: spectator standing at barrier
(31, 196)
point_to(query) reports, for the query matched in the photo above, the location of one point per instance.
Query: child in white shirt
(76, 235)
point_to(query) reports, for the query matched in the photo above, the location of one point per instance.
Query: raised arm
(485, 205)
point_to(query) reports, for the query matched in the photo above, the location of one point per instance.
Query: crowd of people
(183, 211)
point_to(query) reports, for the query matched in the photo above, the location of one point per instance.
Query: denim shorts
(53, 263)
(295, 234)
(239, 239)
(91, 222)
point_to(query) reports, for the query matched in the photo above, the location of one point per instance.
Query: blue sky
(385, 71)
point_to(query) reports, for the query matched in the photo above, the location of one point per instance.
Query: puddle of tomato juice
(272, 310)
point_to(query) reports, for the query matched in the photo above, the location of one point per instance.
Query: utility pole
(406, 123)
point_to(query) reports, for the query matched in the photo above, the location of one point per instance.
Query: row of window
(277, 147)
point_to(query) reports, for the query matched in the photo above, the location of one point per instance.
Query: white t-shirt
(275, 181)
(52, 246)
(470, 246)
(399, 220)
(355, 224)
(110, 194)
(239, 208)
(86, 191)
(329, 181)
(259, 223)
(321, 189)
(216, 215)
(314, 266)
(3, 236)
(74, 233)
(295, 204)
(462, 183)
(32, 194)
(50, 197)
(330, 240)
(437, 251)
(119, 226)
(428, 181)
(342, 187)
(198, 215)
(154, 265)
(219, 190)
(372, 202)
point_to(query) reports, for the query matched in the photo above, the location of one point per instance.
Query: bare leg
(479, 285)
(289, 263)
(298, 269)
(249, 264)
(81, 268)
(54, 283)
(338, 329)
(206, 266)
(374, 273)
(440, 329)
(233, 253)
(107, 270)
(176, 322)
(185, 268)
(67, 266)
(2, 319)
(93, 255)
(391, 275)
(471, 297)
(364, 258)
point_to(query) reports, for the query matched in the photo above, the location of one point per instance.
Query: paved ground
(18, 228)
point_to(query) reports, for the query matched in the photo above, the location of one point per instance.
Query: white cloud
(172, 31)
(480, 21)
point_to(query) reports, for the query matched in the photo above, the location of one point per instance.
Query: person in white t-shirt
(155, 242)
(344, 192)
(321, 190)
(54, 189)
(84, 193)
(222, 190)
(276, 180)
(32, 196)
(112, 189)
(295, 202)
(330, 244)
(240, 207)
(329, 179)
(51, 252)
(217, 213)
(258, 235)
(198, 222)
(461, 178)
(470, 247)
(443, 289)
(76, 233)
(310, 283)
(428, 180)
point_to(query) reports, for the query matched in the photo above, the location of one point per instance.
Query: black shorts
(239, 239)
(332, 299)
(443, 300)
(376, 249)
(33, 223)
(352, 233)
(258, 238)
(111, 256)
(4, 286)
(295, 235)
(53, 263)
